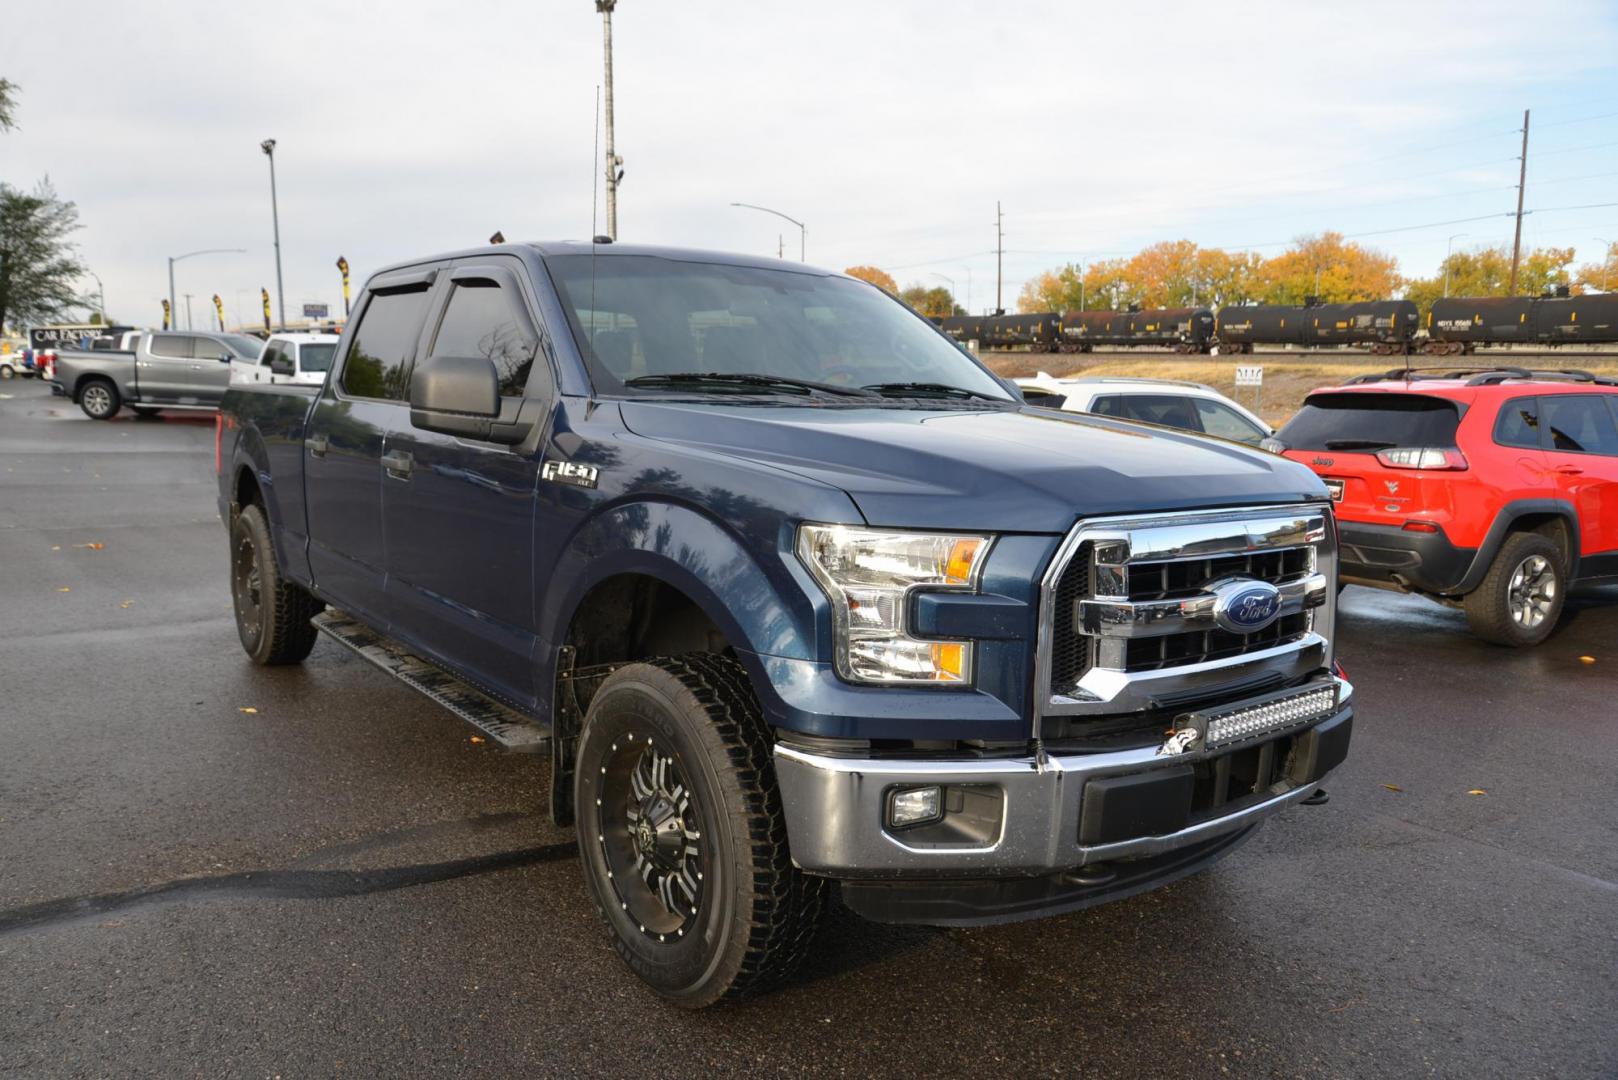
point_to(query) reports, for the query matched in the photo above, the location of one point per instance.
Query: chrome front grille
(1139, 613)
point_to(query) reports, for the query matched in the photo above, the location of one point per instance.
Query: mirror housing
(225, 358)
(455, 395)
(280, 365)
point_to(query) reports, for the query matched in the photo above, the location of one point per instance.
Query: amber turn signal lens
(949, 661)
(962, 554)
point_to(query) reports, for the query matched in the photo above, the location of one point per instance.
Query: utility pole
(999, 257)
(187, 311)
(615, 163)
(268, 146)
(1522, 179)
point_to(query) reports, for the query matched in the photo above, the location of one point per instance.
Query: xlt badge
(567, 472)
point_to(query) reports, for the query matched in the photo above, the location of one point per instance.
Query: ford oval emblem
(1245, 605)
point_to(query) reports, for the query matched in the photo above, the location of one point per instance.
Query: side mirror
(455, 395)
(280, 365)
(224, 358)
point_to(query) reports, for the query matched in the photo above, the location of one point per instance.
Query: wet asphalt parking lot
(339, 882)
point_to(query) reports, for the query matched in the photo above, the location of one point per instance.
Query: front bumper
(1388, 556)
(1041, 816)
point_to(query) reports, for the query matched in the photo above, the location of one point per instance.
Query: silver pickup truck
(160, 370)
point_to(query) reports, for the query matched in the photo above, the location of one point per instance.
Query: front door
(1581, 450)
(163, 368)
(344, 446)
(459, 513)
(210, 370)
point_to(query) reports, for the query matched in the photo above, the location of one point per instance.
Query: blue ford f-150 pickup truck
(794, 592)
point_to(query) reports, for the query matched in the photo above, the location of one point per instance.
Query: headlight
(869, 574)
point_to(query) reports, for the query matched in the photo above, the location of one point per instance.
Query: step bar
(499, 723)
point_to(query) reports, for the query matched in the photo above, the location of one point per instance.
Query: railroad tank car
(1583, 320)
(1386, 325)
(1241, 326)
(1184, 329)
(962, 328)
(1041, 332)
(1462, 323)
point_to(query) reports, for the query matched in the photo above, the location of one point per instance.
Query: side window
(172, 345)
(378, 360)
(271, 352)
(1580, 424)
(1166, 409)
(1221, 420)
(1111, 405)
(481, 320)
(1518, 424)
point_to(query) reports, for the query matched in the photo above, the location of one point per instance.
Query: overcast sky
(891, 128)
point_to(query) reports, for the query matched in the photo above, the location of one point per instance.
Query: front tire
(682, 833)
(272, 615)
(1521, 596)
(99, 399)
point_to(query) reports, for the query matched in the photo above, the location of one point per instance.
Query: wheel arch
(1557, 519)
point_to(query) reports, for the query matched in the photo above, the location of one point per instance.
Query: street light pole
(1449, 249)
(174, 311)
(803, 232)
(102, 292)
(268, 146)
(613, 161)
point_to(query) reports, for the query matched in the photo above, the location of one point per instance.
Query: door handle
(317, 444)
(1569, 470)
(398, 464)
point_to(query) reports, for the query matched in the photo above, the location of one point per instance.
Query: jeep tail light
(1422, 457)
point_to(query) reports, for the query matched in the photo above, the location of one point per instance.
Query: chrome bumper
(836, 810)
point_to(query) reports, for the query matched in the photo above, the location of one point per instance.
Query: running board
(498, 722)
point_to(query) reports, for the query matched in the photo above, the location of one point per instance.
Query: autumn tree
(934, 302)
(880, 278)
(1051, 290)
(1601, 276)
(1487, 272)
(38, 266)
(1329, 267)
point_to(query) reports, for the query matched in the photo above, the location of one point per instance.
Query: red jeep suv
(1489, 490)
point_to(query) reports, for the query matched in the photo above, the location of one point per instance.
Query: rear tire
(7, 371)
(682, 834)
(272, 615)
(1521, 596)
(99, 399)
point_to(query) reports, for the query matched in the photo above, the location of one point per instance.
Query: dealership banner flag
(265, 295)
(219, 309)
(165, 314)
(342, 264)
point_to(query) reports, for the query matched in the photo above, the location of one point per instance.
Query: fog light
(915, 806)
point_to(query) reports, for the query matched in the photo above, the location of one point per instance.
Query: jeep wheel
(99, 400)
(681, 832)
(1521, 596)
(272, 615)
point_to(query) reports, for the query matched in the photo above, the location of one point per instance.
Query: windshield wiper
(1357, 444)
(747, 379)
(928, 389)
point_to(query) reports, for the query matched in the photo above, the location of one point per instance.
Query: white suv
(1187, 405)
(300, 359)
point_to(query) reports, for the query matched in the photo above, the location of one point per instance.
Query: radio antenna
(591, 333)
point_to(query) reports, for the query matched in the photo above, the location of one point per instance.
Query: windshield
(641, 315)
(315, 357)
(242, 345)
(1369, 422)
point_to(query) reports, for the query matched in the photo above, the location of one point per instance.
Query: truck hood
(1028, 470)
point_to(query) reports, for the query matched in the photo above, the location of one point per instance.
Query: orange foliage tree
(880, 278)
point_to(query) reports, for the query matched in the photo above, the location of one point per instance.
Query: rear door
(1170, 410)
(458, 513)
(163, 368)
(1581, 450)
(344, 443)
(1338, 435)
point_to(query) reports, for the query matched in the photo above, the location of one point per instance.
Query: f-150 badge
(571, 473)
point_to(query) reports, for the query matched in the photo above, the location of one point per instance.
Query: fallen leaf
(94, 545)
(1477, 791)
(127, 604)
(64, 588)
(56, 547)
(1393, 787)
(248, 709)
(1587, 659)
(476, 739)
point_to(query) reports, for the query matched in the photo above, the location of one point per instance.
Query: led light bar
(1271, 716)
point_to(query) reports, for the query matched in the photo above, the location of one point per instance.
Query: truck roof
(548, 248)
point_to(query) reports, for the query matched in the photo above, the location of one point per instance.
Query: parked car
(165, 370)
(795, 593)
(1186, 405)
(1493, 490)
(296, 358)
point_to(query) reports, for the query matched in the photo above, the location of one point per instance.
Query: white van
(288, 358)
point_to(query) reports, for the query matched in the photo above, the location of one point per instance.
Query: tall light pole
(951, 282)
(803, 232)
(1522, 180)
(615, 171)
(174, 311)
(102, 291)
(1449, 249)
(1606, 252)
(268, 146)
